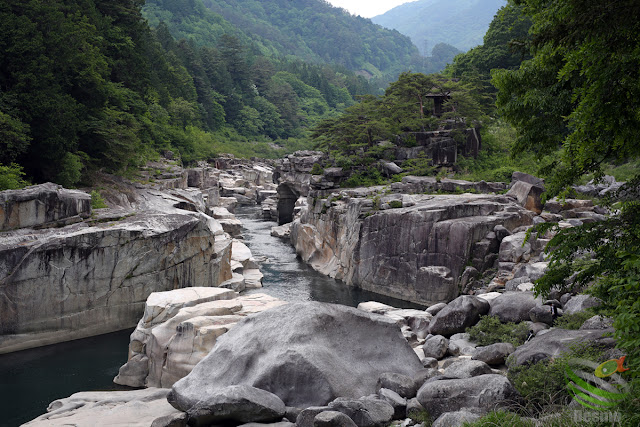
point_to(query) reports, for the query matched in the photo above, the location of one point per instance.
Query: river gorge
(31, 379)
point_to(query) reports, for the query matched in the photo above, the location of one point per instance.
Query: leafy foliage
(489, 330)
(97, 201)
(580, 90)
(363, 134)
(542, 385)
(12, 177)
(574, 320)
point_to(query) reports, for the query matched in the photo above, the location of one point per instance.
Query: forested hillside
(309, 29)
(460, 23)
(87, 84)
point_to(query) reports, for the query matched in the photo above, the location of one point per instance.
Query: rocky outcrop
(179, 328)
(41, 206)
(141, 408)
(93, 277)
(307, 354)
(409, 247)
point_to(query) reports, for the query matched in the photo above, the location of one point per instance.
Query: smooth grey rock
(580, 303)
(512, 285)
(278, 424)
(174, 420)
(291, 413)
(239, 403)
(528, 195)
(435, 308)
(493, 354)
(455, 419)
(404, 385)
(424, 375)
(429, 362)
(486, 392)
(460, 345)
(466, 368)
(533, 271)
(130, 408)
(554, 342)
(332, 419)
(179, 328)
(597, 322)
(414, 408)
(365, 412)
(398, 402)
(513, 249)
(541, 314)
(435, 346)
(308, 415)
(306, 353)
(525, 177)
(458, 315)
(514, 306)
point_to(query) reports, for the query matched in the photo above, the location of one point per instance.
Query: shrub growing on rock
(489, 330)
(574, 320)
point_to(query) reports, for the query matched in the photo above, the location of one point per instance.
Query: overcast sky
(368, 8)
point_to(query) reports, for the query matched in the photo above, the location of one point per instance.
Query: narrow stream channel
(31, 379)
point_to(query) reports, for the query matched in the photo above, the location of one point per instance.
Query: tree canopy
(580, 91)
(579, 95)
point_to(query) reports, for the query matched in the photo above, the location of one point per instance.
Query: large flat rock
(307, 354)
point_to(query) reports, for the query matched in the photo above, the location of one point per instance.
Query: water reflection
(288, 278)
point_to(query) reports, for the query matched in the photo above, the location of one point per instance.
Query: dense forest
(88, 85)
(311, 30)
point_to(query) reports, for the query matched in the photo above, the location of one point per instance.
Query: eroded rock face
(415, 252)
(179, 328)
(307, 354)
(91, 278)
(42, 205)
(131, 408)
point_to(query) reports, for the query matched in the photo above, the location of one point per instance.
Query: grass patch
(489, 330)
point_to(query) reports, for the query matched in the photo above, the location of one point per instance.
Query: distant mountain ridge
(312, 30)
(460, 23)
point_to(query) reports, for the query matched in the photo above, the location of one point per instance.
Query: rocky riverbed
(211, 354)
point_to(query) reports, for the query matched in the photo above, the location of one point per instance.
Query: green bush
(489, 330)
(574, 320)
(317, 169)
(12, 177)
(97, 202)
(395, 204)
(70, 170)
(367, 178)
(543, 385)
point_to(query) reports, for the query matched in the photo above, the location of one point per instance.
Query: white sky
(368, 8)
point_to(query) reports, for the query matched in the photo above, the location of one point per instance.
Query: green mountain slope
(312, 30)
(460, 23)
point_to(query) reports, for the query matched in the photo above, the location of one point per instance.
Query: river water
(31, 379)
